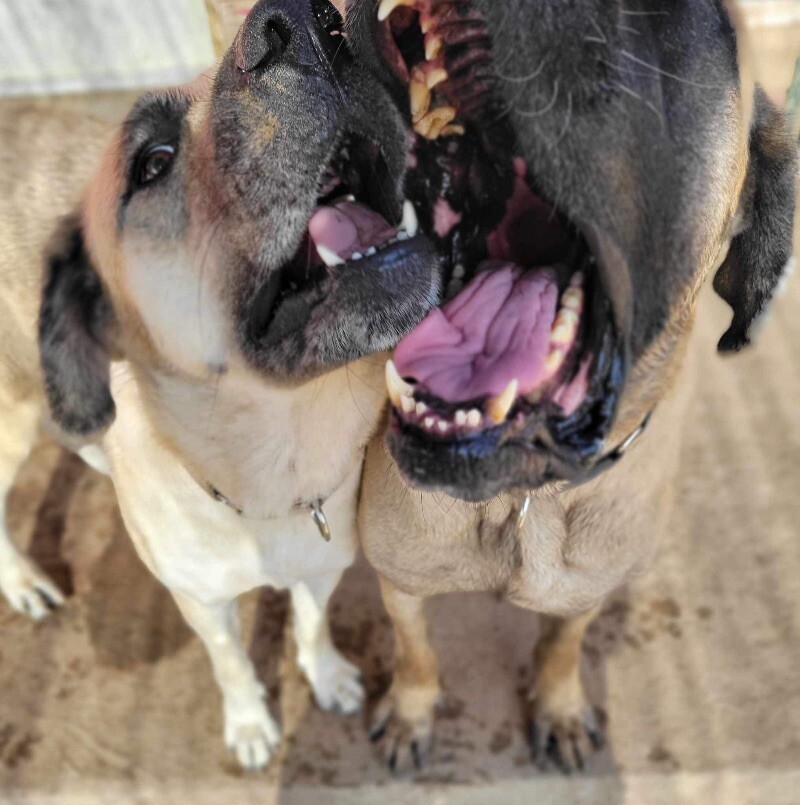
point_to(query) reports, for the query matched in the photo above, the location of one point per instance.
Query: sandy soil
(695, 665)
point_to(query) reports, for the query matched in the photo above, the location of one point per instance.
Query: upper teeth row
(428, 122)
(497, 407)
(565, 325)
(409, 227)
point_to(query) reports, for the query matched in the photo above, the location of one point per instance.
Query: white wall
(74, 45)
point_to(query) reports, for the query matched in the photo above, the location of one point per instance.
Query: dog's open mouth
(524, 356)
(349, 230)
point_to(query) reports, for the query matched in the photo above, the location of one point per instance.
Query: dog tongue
(496, 330)
(349, 227)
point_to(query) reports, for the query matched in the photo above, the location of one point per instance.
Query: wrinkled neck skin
(267, 448)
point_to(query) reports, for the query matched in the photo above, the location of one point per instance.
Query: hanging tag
(320, 520)
(522, 516)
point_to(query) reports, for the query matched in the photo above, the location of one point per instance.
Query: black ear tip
(756, 261)
(95, 416)
(733, 340)
(74, 318)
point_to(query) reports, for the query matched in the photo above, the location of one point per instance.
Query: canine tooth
(474, 418)
(388, 6)
(420, 97)
(429, 422)
(572, 299)
(433, 47)
(329, 256)
(407, 404)
(498, 406)
(421, 408)
(554, 360)
(435, 76)
(398, 388)
(461, 418)
(409, 223)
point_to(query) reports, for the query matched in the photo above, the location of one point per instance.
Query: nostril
(278, 36)
(261, 42)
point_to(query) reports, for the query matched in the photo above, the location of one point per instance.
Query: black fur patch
(73, 319)
(758, 255)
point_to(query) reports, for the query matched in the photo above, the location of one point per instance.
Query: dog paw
(335, 681)
(27, 589)
(565, 737)
(252, 735)
(403, 725)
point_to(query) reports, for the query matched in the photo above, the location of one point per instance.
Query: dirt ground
(695, 665)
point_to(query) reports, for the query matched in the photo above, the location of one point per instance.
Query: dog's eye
(154, 162)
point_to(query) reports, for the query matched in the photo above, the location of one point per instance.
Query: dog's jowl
(220, 260)
(581, 167)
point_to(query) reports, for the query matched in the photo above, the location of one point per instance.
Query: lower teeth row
(498, 407)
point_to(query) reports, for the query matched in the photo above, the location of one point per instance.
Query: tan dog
(583, 191)
(211, 278)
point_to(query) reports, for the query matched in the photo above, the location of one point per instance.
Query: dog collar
(312, 507)
(605, 462)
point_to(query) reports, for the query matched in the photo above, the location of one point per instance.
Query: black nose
(263, 38)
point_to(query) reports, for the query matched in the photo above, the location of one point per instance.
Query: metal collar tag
(314, 509)
(320, 520)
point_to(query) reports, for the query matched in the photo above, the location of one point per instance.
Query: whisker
(629, 91)
(666, 73)
(523, 79)
(544, 110)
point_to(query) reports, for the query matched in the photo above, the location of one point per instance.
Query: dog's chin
(362, 275)
(515, 380)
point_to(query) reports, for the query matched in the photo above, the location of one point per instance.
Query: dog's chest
(203, 546)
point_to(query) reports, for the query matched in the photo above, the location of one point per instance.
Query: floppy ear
(75, 317)
(760, 253)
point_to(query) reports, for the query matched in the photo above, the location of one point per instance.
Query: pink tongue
(495, 330)
(349, 227)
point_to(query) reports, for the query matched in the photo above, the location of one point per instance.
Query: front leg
(335, 681)
(404, 718)
(250, 730)
(564, 726)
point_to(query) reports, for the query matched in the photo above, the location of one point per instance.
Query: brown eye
(154, 163)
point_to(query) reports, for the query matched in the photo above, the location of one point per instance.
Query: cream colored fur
(181, 425)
